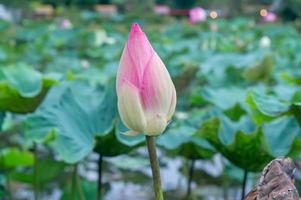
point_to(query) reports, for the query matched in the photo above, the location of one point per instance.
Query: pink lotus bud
(269, 17)
(197, 14)
(145, 91)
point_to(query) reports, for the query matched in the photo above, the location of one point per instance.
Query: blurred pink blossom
(213, 27)
(270, 17)
(66, 24)
(197, 14)
(162, 9)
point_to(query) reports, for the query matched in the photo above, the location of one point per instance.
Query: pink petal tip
(135, 29)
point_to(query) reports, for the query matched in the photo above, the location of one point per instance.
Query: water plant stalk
(9, 194)
(79, 188)
(243, 188)
(99, 180)
(73, 183)
(151, 147)
(36, 172)
(7, 178)
(225, 180)
(190, 175)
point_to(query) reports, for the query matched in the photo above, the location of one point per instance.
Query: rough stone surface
(276, 182)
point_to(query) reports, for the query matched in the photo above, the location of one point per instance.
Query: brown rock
(276, 182)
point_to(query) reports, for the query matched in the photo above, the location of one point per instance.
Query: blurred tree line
(288, 9)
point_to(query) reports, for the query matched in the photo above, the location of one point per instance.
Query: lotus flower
(66, 24)
(269, 17)
(162, 10)
(197, 14)
(145, 91)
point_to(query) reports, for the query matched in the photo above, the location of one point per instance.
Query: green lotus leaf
(48, 170)
(257, 145)
(72, 121)
(22, 89)
(115, 143)
(230, 99)
(235, 112)
(174, 137)
(12, 157)
(291, 78)
(89, 189)
(261, 71)
(281, 133)
(70, 125)
(266, 107)
(229, 68)
(127, 140)
(180, 137)
(181, 141)
(75, 118)
(246, 150)
(295, 148)
(224, 98)
(196, 148)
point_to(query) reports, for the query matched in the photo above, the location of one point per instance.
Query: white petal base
(156, 125)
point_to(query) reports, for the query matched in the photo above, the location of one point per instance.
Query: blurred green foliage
(238, 84)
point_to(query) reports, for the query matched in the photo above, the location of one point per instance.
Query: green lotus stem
(36, 172)
(79, 188)
(243, 187)
(76, 186)
(99, 180)
(190, 175)
(73, 183)
(6, 173)
(8, 187)
(225, 182)
(151, 147)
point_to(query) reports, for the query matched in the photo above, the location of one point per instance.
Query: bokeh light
(263, 12)
(213, 14)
